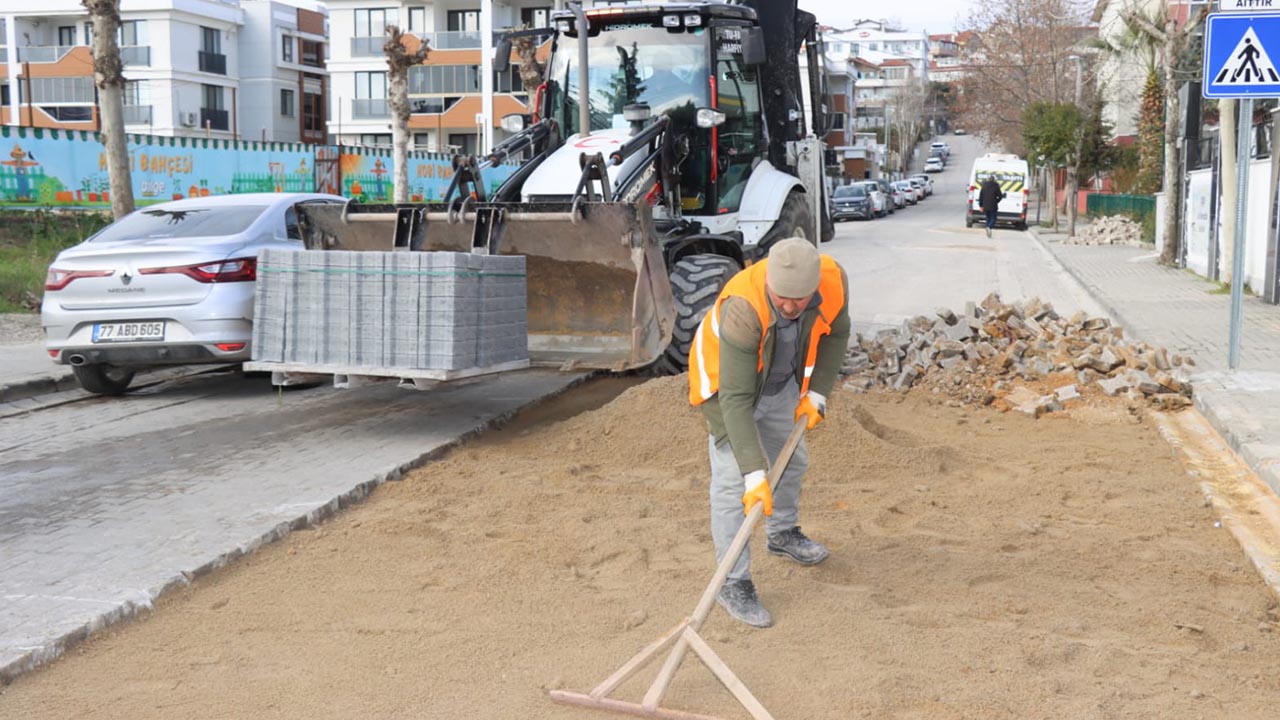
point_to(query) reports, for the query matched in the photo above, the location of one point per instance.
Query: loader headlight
(514, 123)
(564, 26)
(670, 21)
(692, 20)
(708, 118)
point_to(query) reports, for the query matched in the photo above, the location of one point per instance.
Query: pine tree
(1151, 136)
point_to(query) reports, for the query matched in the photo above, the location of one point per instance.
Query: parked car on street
(918, 186)
(168, 284)
(908, 191)
(926, 181)
(897, 197)
(933, 165)
(851, 202)
(941, 148)
(961, 131)
(881, 204)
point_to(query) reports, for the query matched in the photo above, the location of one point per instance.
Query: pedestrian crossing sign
(1238, 51)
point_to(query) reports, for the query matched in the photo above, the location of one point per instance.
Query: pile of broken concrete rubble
(1108, 230)
(978, 355)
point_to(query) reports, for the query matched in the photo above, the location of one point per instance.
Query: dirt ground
(984, 565)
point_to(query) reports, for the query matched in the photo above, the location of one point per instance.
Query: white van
(1011, 172)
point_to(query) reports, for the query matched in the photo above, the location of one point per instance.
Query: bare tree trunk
(1053, 197)
(530, 68)
(399, 60)
(108, 75)
(1072, 192)
(1172, 171)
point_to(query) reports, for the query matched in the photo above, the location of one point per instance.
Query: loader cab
(677, 60)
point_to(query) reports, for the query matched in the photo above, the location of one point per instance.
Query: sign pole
(1244, 147)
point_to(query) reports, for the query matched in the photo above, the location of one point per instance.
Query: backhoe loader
(680, 155)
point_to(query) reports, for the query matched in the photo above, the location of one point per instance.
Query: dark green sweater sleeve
(832, 347)
(739, 362)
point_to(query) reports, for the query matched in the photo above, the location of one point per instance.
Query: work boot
(793, 544)
(988, 232)
(739, 599)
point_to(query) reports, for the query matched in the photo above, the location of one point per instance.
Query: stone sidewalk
(1191, 316)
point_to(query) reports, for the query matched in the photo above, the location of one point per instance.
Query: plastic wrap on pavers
(423, 311)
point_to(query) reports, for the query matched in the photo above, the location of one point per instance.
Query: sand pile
(983, 566)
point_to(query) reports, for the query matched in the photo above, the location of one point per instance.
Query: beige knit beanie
(794, 268)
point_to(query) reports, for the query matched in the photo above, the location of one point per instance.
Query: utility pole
(1073, 167)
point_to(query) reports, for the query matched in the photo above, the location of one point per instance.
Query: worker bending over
(765, 355)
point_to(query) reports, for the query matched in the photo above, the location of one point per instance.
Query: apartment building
(184, 61)
(444, 93)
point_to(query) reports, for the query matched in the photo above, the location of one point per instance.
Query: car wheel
(103, 379)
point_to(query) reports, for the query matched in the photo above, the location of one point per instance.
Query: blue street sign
(1238, 52)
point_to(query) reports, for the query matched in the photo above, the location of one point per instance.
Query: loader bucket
(598, 291)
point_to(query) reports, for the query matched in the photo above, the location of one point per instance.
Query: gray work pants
(775, 417)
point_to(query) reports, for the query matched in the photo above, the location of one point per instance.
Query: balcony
(367, 46)
(43, 53)
(467, 40)
(370, 109)
(213, 63)
(135, 55)
(215, 119)
(137, 114)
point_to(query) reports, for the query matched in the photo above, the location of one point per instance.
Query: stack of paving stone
(1108, 230)
(390, 310)
(974, 356)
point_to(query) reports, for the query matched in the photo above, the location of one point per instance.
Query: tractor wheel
(794, 220)
(696, 282)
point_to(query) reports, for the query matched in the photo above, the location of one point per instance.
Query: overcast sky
(935, 16)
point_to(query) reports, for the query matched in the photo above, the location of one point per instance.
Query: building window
(286, 48)
(212, 97)
(371, 85)
(375, 140)
(463, 143)
(421, 141)
(211, 40)
(286, 103)
(373, 22)
(62, 90)
(312, 112)
(535, 17)
(88, 33)
(464, 20)
(67, 35)
(133, 33)
(417, 19)
(4, 94)
(135, 93)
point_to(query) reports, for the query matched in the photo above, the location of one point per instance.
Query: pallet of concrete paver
(416, 316)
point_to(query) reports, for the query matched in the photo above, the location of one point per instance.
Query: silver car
(167, 284)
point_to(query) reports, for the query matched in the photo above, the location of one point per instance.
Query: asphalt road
(924, 258)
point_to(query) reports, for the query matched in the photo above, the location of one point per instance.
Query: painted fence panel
(68, 168)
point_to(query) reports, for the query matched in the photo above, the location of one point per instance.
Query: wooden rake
(684, 636)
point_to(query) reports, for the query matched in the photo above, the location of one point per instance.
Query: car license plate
(128, 332)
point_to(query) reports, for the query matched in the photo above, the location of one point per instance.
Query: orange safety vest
(704, 356)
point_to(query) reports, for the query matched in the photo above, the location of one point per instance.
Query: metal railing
(367, 46)
(213, 63)
(215, 119)
(453, 40)
(137, 114)
(43, 54)
(369, 109)
(135, 55)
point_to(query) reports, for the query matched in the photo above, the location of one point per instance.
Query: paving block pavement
(102, 512)
(1190, 316)
(26, 370)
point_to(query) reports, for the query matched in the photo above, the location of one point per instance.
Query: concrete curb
(357, 494)
(43, 385)
(1211, 398)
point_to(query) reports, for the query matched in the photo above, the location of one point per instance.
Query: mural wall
(69, 168)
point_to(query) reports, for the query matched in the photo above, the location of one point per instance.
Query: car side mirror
(753, 47)
(502, 55)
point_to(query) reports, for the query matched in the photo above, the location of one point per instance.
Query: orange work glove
(757, 491)
(812, 406)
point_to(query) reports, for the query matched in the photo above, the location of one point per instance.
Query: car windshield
(181, 222)
(855, 191)
(667, 71)
(869, 187)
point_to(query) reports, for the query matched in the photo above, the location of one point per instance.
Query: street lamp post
(1073, 168)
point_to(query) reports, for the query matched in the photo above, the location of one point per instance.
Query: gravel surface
(20, 328)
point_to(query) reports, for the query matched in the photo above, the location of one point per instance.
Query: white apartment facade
(444, 93)
(283, 80)
(183, 64)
